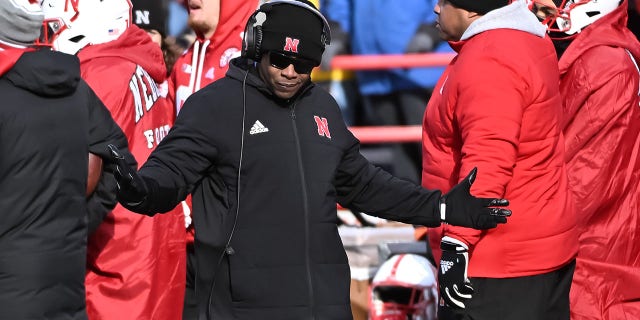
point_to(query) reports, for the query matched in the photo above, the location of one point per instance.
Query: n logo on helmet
(74, 5)
(291, 45)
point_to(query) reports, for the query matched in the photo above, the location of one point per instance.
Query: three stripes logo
(445, 266)
(258, 127)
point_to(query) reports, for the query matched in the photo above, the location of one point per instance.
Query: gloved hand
(340, 44)
(131, 188)
(458, 207)
(424, 40)
(455, 287)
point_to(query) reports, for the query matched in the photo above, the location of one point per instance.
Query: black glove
(455, 287)
(131, 188)
(339, 45)
(458, 207)
(424, 40)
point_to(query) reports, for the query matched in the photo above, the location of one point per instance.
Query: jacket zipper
(305, 203)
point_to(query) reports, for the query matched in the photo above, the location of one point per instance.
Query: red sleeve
(100, 77)
(595, 167)
(488, 113)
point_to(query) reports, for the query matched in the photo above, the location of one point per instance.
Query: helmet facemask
(404, 288)
(393, 301)
(565, 19)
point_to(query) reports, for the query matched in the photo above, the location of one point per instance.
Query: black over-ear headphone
(252, 39)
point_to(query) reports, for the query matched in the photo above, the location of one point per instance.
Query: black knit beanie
(480, 6)
(292, 30)
(150, 14)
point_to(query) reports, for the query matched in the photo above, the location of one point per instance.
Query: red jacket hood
(134, 45)
(232, 19)
(610, 30)
(207, 60)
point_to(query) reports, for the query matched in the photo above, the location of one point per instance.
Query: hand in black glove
(131, 188)
(339, 45)
(455, 287)
(458, 207)
(424, 40)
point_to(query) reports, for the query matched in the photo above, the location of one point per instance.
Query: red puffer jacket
(599, 84)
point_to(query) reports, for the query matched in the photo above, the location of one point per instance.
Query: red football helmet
(404, 288)
(566, 18)
(70, 25)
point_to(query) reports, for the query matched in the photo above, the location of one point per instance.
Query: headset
(252, 39)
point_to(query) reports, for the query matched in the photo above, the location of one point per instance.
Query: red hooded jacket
(599, 85)
(136, 264)
(207, 60)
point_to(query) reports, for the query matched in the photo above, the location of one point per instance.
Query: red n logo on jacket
(291, 45)
(323, 126)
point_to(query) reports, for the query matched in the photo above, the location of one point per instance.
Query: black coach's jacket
(49, 121)
(284, 258)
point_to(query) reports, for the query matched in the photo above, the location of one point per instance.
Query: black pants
(190, 311)
(540, 297)
(399, 108)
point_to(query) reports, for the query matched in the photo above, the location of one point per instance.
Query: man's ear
(473, 15)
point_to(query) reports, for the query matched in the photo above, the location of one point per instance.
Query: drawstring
(201, 65)
(194, 60)
(197, 64)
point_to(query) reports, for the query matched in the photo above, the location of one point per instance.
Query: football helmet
(70, 25)
(403, 288)
(574, 15)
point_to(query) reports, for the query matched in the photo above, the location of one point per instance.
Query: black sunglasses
(281, 61)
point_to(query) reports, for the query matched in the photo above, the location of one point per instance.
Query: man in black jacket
(266, 156)
(49, 122)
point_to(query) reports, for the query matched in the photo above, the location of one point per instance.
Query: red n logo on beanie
(291, 45)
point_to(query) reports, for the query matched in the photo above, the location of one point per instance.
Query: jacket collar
(245, 70)
(516, 16)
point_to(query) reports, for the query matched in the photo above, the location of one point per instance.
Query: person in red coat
(218, 25)
(599, 79)
(135, 265)
(500, 95)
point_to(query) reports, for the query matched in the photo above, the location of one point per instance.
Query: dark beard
(199, 27)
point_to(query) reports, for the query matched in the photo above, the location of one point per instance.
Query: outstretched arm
(362, 186)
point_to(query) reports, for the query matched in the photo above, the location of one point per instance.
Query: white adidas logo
(445, 266)
(258, 127)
